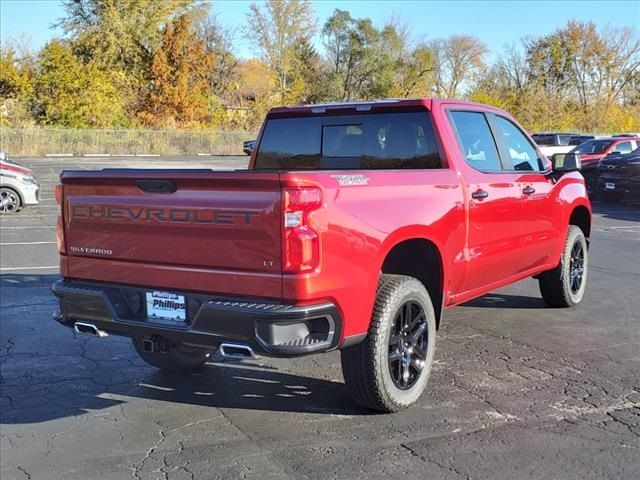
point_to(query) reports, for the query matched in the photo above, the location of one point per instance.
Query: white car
(18, 186)
(550, 143)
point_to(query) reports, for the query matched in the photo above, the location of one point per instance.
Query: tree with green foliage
(275, 28)
(180, 92)
(121, 34)
(350, 45)
(71, 93)
(366, 62)
(16, 85)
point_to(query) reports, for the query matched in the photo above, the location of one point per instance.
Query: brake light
(59, 223)
(301, 244)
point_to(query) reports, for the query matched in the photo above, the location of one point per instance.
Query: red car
(592, 151)
(354, 228)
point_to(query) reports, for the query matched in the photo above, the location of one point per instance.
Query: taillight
(59, 223)
(301, 244)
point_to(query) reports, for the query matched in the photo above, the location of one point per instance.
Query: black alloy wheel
(408, 345)
(576, 267)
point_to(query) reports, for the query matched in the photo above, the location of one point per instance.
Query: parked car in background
(592, 151)
(248, 147)
(18, 186)
(550, 142)
(619, 177)
(578, 139)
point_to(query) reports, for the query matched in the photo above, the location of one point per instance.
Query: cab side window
(623, 147)
(520, 152)
(476, 140)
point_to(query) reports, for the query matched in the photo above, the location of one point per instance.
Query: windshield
(369, 141)
(592, 147)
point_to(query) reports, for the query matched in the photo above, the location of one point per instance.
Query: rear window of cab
(371, 141)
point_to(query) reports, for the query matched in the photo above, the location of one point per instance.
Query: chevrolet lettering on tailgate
(162, 215)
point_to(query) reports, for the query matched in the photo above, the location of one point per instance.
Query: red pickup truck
(355, 226)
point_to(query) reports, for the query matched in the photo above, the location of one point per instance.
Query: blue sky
(495, 22)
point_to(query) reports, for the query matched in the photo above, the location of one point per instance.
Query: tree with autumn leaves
(157, 64)
(180, 89)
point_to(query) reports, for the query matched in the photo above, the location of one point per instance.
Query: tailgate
(182, 218)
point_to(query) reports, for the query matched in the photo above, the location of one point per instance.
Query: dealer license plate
(166, 305)
(610, 186)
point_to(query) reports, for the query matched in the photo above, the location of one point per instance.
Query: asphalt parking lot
(518, 390)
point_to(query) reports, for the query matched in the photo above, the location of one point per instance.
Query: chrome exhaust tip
(236, 350)
(85, 328)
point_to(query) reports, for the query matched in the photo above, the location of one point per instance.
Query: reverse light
(59, 223)
(301, 244)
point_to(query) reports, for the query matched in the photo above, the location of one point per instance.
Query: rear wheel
(176, 357)
(389, 370)
(564, 286)
(9, 201)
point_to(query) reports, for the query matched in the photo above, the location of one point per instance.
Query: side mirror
(565, 162)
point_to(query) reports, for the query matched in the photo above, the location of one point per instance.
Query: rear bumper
(271, 329)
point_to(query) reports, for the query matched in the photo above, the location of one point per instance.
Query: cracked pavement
(518, 391)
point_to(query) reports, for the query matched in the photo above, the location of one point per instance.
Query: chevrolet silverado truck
(355, 226)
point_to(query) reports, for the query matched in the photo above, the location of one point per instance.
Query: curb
(58, 154)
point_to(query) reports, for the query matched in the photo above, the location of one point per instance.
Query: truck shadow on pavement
(225, 385)
(219, 385)
(501, 300)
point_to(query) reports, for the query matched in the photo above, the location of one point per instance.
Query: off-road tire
(555, 285)
(177, 358)
(365, 366)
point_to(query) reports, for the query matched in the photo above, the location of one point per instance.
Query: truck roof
(387, 104)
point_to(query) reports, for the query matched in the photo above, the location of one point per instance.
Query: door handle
(529, 190)
(480, 194)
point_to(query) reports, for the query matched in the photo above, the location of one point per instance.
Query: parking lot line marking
(27, 226)
(623, 226)
(4, 269)
(25, 243)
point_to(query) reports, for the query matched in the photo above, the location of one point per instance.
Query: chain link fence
(46, 141)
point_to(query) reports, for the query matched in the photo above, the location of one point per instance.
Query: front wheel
(564, 286)
(389, 370)
(176, 357)
(9, 201)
